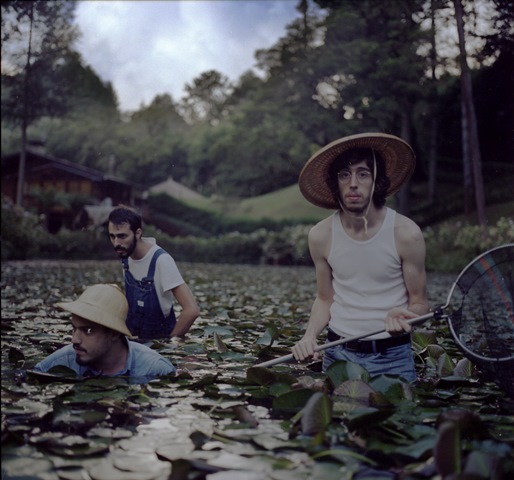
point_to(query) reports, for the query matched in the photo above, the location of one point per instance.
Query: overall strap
(151, 269)
(124, 261)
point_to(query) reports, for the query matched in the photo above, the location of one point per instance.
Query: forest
(343, 67)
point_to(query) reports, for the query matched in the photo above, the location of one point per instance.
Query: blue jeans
(395, 361)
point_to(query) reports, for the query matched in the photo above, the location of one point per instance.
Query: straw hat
(398, 156)
(104, 304)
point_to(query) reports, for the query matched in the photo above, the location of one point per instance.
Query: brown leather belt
(370, 346)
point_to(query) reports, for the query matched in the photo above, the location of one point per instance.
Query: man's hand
(305, 349)
(395, 322)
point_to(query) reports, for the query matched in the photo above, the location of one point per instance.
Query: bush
(21, 232)
(451, 246)
(287, 247)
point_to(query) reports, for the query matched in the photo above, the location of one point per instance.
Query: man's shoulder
(147, 361)
(63, 356)
(142, 350)
(319, 231)
(406, 229)
(153, 250)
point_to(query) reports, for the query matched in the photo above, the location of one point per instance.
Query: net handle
(412, 321)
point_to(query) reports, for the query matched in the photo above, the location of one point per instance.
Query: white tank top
(367, 279)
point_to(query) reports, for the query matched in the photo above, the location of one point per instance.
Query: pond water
(215, 420)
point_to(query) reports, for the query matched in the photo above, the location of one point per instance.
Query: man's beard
(357, 210)
(127, 252)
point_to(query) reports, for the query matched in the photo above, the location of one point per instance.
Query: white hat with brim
(398, 156)
(104, 304)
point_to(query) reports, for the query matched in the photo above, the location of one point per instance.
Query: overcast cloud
(145, 48)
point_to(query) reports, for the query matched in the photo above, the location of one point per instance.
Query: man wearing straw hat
(369, 259)
(99, 340)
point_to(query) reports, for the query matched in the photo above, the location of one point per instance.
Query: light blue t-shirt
(142, 363)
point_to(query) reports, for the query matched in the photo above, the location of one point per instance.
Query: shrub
(451, 246)
(22, 232)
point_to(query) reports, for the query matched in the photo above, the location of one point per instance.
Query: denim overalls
(145, 319)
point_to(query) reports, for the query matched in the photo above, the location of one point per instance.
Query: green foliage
(35, 81)
(284, 247)
(19, 231)
(25, 236)
(452, 245)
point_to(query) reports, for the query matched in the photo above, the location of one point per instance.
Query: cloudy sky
(146, 47)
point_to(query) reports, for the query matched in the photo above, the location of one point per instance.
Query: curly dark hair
(123, 214)
(357, 155)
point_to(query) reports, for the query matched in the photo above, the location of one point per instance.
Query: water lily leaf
(265, 376)
(26, 406)
(78, 419)
(392, 387)
(244, 416)
(423, 338)
(469, 423)
(464, 368)
(220, 346)
(141, 463)
(16, 355)
(222, 331)
(58, 375)
(176, 451)
(230, 461)
(80, 450)
(340, 371)
(316, 415)
(366, 417)
(482, 465)
(204, 381)
(447, 449)
(269, 336)
(111, 433)
(444, 365)
(26, 467)
(435, 351)
(419, 449)
(356, 390)
(235, 357)
(271, 442)
(453, 381)
(105, 470)
(292, 401)
(379, 400)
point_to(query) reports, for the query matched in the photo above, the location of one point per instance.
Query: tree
(161, 117)
(36, 36)
(371, 60)
(205, 98)
(470, 140)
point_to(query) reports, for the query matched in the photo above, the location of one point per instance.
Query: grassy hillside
(285, 204)
(289, 204)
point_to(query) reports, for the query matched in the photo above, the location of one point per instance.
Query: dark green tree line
(343, 66)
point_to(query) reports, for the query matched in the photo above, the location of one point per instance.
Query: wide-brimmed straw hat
(104, 304)
(398, 156)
